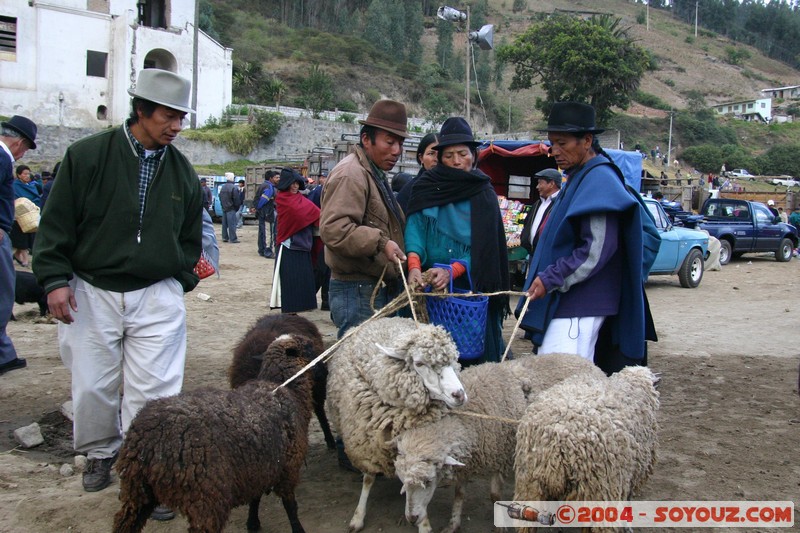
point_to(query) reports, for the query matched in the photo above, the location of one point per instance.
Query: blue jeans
(229, 226)
(7, 286)
(349, 303)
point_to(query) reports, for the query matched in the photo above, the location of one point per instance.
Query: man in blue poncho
(586, 277)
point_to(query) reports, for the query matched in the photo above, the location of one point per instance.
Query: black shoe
(224, 240)
(162, 513)
(13, 365)
(97, 475)
(235, 242)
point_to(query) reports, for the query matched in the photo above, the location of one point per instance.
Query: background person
(453, 214)
(17, 136)
(115, 275)
(548, 185)
(589, 266)
(264, 204)
(207, 196)
(24, 187)
(427, 157)
(230, 201)
(295, 271)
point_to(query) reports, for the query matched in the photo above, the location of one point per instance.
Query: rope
(486, 417)
(516, 328)
(411, 303)
(392, 307)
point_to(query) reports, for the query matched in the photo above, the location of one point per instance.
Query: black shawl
(443, 185)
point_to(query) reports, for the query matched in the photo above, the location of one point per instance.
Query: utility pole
(669, 144)
(469, 49)
(647, 17)
(195, 69)
(695, 19)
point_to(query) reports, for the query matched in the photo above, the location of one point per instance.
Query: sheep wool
(206, 451)
(246, 361)
(462, 447)
(382, 381)
(589, 439)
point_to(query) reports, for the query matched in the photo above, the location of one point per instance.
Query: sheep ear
(391, 352)
(452, 462)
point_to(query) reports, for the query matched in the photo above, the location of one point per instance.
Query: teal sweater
(91, 223)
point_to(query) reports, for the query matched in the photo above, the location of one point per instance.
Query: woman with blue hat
(453, 214)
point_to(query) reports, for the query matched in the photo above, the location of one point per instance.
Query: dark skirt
(20, 240)
(298, 291)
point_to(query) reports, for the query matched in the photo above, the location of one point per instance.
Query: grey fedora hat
(165, 88)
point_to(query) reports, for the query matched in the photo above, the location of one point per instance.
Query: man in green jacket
(115, 252)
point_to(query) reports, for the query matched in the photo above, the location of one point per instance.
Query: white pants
(138, 336)
(572, 335)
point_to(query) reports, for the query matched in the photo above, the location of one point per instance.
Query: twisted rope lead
(392, 307)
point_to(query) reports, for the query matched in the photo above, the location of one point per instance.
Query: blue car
(683, 251)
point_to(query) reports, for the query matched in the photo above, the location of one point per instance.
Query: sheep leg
(357, 522)
(458, 506)
(253, 523)
(319, 410)
(131, 518)
(290, 505)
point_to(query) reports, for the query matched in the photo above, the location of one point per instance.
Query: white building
(758, 110)
(71, 62)
(790, 91)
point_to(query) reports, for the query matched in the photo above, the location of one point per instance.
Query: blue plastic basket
(464, 317)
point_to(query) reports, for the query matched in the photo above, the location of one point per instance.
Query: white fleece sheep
(589, 439)
(390, 376)
(461, 447)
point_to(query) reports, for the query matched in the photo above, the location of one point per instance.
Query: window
(152, 13)
(96, 63)
(8, 38)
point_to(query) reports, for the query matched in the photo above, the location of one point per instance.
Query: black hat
(572, 117)
(203, 180)
(24, 126)
(549, 174)
(289, 176)
(455, 130)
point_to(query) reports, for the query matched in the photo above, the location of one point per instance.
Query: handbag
(204, 268)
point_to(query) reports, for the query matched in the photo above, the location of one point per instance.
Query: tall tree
(378, 25)
(593, 61)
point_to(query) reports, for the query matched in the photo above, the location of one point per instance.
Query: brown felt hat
(390, 116)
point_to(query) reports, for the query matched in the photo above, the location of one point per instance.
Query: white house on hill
(71, 62)
(759, 110)
(790, 91)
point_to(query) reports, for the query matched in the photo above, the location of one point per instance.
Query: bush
(778, 160)
(641, 17)
(650, 100)
(240, 139)
(347, 118)
(669, 83)
(267, 124)
(689, 39)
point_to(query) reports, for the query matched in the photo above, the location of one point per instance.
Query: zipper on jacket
(147, 196)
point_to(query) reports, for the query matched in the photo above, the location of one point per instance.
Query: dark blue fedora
(24, 126)
(456, 130)
(572, 117)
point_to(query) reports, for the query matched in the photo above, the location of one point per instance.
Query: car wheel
(724, 252)
(691, 271)
(784, 251)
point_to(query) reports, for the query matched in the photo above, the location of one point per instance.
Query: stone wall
(297, 137)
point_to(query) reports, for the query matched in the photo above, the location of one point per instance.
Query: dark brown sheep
(205, 452)
(244, 366)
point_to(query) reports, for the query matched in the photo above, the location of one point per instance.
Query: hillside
(358, 73)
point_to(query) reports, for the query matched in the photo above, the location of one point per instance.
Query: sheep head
(285, 356)
(420, 477)
(430, 355)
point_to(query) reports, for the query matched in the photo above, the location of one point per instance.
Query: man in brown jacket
(361, 222)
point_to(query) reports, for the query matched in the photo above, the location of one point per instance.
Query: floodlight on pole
(483, 38)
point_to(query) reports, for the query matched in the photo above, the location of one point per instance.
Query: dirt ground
(730, 412)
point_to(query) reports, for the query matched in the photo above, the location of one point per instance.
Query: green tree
(378, 25)
(593, 61)
(272, 91)
(519, 5)
(316, 91)
(207, 19)
(414, 28)
(781, 159)
(444, 43)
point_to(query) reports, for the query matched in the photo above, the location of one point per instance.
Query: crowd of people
(116, 274)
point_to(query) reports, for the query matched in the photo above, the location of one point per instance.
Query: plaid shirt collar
(140, 150)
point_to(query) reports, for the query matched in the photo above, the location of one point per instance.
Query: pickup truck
(743, 226)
